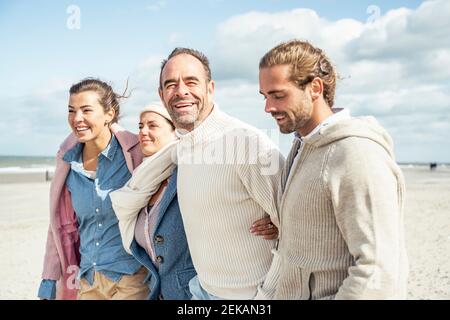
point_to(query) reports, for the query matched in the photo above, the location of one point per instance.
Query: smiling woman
(106, 97)
(155, 129)
(93, 106)
(96, 159)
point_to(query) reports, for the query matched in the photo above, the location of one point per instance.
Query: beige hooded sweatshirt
(341, 218)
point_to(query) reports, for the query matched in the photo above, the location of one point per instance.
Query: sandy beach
(24, 223)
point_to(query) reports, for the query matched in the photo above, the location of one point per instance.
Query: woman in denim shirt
(84, 241)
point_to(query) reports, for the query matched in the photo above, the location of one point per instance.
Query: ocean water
(25, 163)
(36, 164)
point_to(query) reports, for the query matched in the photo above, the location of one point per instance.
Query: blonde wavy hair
(307, 62)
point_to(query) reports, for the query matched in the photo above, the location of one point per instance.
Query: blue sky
(391, 54)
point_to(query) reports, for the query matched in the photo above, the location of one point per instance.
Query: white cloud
(243, 39)
(35, 124)
(407, 33)
(395, 67)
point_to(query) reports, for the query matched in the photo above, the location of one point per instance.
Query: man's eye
(278, 97)
(71, 111)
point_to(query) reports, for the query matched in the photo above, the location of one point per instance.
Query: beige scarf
(136, 193)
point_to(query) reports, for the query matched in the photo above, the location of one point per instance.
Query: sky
(392, 57)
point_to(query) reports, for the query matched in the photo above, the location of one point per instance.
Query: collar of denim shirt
(75, 154)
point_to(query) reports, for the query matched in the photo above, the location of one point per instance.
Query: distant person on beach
(227, 177)
(342, 193)
(433, 166)
(83, 237)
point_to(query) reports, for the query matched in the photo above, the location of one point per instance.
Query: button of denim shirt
(97, 244)
(94, 264)
(99, 225)
(159, 239)
(97, 210)
(160, 259)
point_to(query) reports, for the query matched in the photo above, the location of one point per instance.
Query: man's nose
(182, 89)
(269, 107)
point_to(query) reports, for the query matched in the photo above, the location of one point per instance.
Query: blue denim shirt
(100, 241)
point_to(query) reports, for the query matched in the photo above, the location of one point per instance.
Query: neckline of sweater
(209, 127)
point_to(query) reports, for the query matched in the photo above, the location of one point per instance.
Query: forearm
(262, 183)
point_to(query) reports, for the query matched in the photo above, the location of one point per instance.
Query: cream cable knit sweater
(228, 175)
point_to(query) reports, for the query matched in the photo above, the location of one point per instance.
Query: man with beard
(342, 193)
(227, 179)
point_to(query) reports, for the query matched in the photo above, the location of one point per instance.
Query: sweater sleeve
(266, 291)
(366, 189)
(260, 173)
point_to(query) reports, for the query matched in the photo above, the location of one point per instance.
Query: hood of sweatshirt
(361, 127)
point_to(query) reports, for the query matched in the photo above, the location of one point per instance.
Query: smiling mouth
(81, 129)
(183, 105)
(279, 117)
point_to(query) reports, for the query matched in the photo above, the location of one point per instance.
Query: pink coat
(62, 255)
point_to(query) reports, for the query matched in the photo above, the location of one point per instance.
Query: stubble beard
(187, 121)
(301, 116)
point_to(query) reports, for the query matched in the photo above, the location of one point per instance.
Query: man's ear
(211, 87)
(160, 94)
(316, 88)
